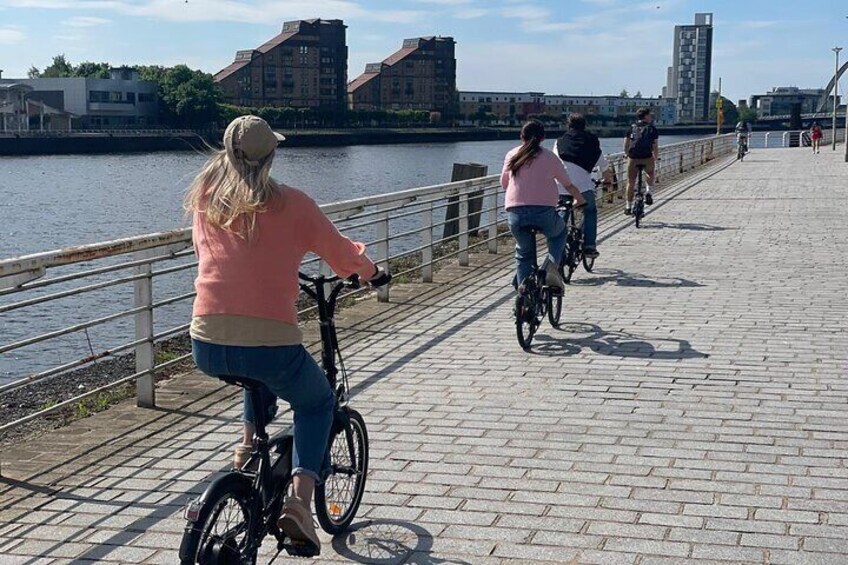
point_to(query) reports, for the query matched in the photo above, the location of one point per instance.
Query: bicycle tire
(333, 518)
(588, 263)
(525, 317)
(554, 308)
(194, 549)
(639, 213)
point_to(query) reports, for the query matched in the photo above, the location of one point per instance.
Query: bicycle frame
(327, 323)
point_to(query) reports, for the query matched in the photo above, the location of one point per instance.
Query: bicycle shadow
(620, 278)
(389, 542)
(614, 344)
(685, 227)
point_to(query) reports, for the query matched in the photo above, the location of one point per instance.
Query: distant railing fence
(83, 290)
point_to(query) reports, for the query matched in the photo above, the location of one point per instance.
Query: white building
(121, 100)
(510, 108)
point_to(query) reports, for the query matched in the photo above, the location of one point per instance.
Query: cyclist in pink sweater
(251, 233)
(530, 175)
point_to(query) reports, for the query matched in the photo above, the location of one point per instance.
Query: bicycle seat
(243, 382)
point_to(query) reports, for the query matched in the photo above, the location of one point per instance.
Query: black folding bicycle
(228, 522)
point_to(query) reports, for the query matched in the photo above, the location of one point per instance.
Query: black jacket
(579, 147)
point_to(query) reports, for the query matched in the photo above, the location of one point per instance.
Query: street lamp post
(835, 90)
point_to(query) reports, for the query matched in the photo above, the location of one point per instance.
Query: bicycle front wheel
(337, 498)
(220, 528)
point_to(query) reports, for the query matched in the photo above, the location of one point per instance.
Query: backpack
(641, 141)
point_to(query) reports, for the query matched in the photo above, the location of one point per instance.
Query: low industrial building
(783, 99)
(511, 108)
(117, 102)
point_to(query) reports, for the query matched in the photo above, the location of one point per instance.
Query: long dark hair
(532, 134)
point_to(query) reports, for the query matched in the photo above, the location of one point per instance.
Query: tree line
(190, 99)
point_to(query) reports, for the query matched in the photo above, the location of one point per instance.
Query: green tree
(33, 72)
(638, 94)
(59, 68)
(731, 113)
(187, 98)
(87, 69)
(747, 114)
(624, 93)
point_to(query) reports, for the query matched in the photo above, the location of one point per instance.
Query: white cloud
(86, 21)
(244, 11)
(470, 13)
(759, 24)
(11, 35)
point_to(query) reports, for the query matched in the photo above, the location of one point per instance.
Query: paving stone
(690, 408)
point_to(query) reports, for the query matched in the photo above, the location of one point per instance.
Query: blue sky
(555, 46)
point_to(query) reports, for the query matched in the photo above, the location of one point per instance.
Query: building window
(98, 96)
(304, 49)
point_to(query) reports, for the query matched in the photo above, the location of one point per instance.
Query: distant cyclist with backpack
(743, 134)
(641, 145)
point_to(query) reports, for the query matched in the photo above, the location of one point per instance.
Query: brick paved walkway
(692, 409)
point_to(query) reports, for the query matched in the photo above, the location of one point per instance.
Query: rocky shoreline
(28, 399)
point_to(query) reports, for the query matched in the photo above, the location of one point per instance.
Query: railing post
(784, 138)
(464, 259)
(768, 133)
(383, 252)
(492, 219)
(427, 244)
(145, 358)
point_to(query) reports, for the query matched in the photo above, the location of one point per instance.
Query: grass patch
(100, 402)
(164, 356)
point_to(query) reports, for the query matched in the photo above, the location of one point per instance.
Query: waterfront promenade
(692, 408)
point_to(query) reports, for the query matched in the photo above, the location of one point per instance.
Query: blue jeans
(290, 373)
(590, 221)
(522, 221)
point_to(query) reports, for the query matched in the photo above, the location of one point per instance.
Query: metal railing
(114, 296)
(122, 132)
(794, 138)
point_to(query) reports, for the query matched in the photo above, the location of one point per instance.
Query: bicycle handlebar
(353, 281)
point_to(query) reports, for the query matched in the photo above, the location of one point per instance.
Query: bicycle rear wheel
(639, 212)
(220, 530)
(338, 497)
(588, 263)
(525, 320)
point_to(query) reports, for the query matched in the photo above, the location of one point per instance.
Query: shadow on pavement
(620, 278)
(684, 227)
(389, 542)
(613, 344)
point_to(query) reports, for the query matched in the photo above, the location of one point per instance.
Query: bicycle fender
(195, 511)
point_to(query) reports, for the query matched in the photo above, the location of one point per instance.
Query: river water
(57, 201)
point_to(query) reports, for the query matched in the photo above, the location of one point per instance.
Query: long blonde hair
(230, 194)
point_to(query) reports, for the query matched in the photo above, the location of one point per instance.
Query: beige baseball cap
(249, 139)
